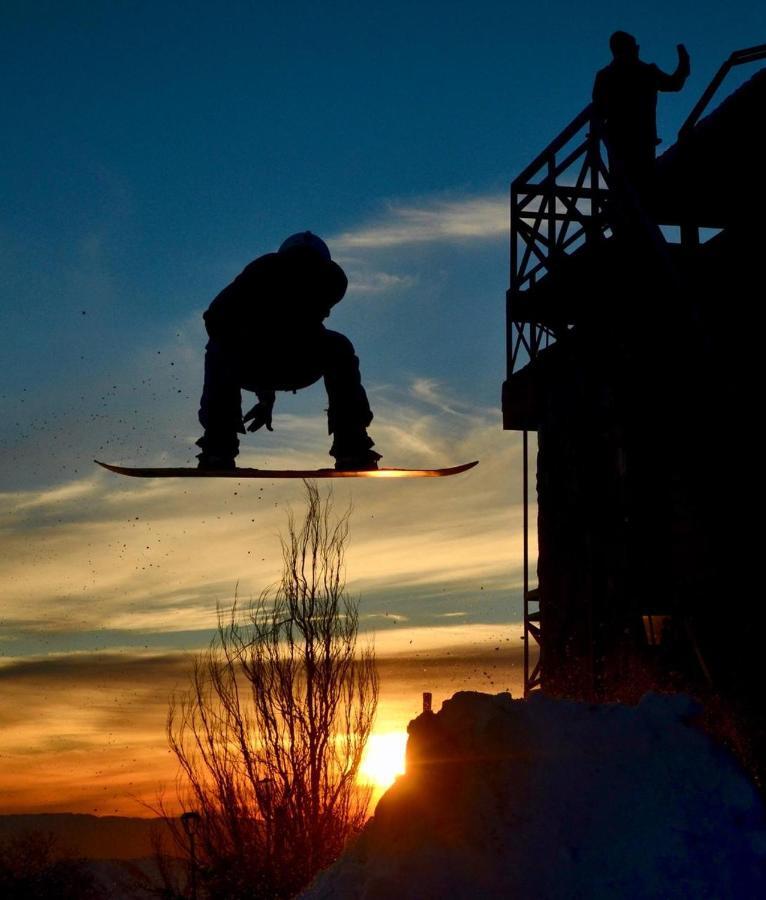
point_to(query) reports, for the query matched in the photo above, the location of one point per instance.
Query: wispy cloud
(435, 220)
(362, 282)
(156, 556)
(26, 501)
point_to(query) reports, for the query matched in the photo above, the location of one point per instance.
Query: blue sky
(150, 151)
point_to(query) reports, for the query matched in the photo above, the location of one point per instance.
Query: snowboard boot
(361, 462)
(353, 452)
(211, 463)
(217, 456)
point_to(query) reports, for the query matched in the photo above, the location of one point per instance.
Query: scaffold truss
(558, 204)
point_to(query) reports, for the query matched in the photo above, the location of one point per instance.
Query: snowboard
(188, 472)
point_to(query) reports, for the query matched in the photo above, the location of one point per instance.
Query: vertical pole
(552, 236)
(509, 339)
(594, 228)
(190, 821)
(525, 488)
(514, 256)
(551, 184)
(193, 848)
(690, 235)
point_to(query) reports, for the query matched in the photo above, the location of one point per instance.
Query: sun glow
(383, 759)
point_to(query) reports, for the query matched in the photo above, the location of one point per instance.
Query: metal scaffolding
(561, 204)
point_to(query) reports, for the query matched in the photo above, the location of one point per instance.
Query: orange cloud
(86, 732)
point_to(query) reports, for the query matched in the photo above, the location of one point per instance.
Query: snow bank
(554, 799)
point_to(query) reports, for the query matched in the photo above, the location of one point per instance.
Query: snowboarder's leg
(349, 412)
(220, 412)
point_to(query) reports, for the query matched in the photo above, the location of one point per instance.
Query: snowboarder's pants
(269, 367)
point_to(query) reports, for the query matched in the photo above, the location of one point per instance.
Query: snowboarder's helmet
(309, 241)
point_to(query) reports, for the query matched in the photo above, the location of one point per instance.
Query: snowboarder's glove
(261, 413)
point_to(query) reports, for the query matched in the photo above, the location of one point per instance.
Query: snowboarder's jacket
(278, 295)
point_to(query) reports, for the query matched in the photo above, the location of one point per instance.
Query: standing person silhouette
(625, 100)
(266, 335)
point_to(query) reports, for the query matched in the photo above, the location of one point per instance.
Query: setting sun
(383, 759)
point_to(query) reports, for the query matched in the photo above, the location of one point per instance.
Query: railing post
(690, 235)
(593, 229)
(550, 182)
(513, 279)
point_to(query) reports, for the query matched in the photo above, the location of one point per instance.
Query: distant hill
(92, 837)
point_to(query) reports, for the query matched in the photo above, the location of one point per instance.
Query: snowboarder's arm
(676, 80)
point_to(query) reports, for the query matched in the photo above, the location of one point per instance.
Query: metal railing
(737, 58)
(558, 203)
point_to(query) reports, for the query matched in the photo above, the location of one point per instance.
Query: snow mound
(550, 798)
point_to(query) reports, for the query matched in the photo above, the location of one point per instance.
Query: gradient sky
(150, 151)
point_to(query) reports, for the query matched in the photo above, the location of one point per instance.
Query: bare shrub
(271, 733)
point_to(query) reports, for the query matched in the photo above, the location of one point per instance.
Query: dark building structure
(632, 355)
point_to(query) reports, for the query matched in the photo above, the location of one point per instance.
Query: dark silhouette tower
(632, 340)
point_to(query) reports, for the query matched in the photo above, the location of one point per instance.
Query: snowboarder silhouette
(266, 334)
(625, 100)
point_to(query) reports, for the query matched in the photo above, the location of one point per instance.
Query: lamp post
(191, 822)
